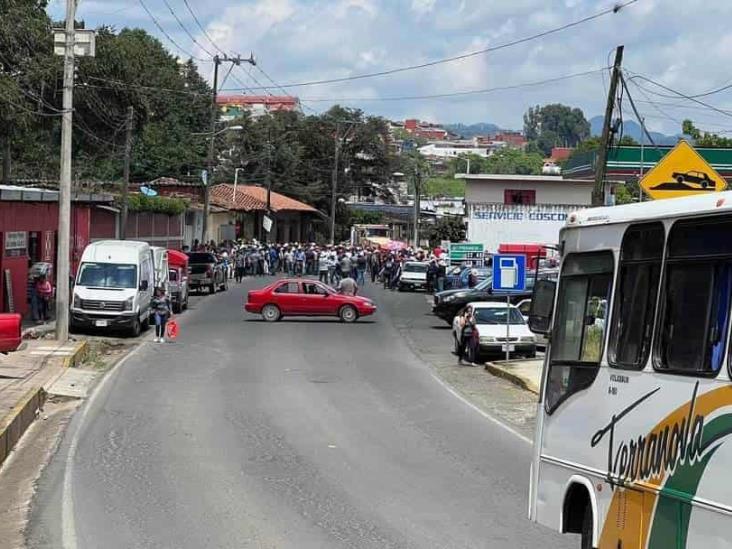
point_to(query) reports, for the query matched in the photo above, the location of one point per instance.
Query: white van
(160, 260)
(114, 286)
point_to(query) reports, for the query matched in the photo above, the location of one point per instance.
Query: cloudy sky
(683, 44)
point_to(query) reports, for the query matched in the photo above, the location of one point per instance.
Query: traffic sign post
(509, 275)
(682, 172)
(467, 252)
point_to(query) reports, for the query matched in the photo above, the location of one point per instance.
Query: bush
(156, 204)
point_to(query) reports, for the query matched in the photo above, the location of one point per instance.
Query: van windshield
(107, 275)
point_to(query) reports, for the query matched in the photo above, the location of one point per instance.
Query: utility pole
(417, 192)
(64, 188)
(211, 151)
(269, 182)
(126, 173)
(334, 186)
(212, 143)
(598, 194)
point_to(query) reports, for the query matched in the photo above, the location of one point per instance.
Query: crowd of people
(330, 264)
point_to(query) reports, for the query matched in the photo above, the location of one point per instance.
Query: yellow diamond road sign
(682, 172)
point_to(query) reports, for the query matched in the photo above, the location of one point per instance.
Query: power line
(498, 47)
(161, 29)
(459, 93)
(680, 94)
(203, 30)
(185, 29)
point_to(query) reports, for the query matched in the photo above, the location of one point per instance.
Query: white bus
(634, 428)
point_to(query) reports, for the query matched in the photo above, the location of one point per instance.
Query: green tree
(28, 73)
(450, 228)
(702, 138)
(555, 125)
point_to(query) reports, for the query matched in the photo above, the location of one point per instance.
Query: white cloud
(421, 7)
(684, 45)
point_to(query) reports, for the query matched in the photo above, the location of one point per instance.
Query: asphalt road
(302, 434)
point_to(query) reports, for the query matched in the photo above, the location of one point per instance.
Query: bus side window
(635, 297)
(694, 313)
(579, 329)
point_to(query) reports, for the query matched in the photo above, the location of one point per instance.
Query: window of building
(524, 197)
(579, 328)
(695, 299)
(639, 274)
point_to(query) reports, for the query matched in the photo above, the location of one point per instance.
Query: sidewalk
(25, 375)
(524, 373)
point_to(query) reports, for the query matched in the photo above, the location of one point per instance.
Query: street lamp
(236, 181)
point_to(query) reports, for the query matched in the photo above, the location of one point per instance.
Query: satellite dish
(147, 191)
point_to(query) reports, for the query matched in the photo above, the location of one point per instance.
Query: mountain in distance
(634, 130)
(471, 130)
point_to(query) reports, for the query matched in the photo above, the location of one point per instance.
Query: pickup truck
(205, 271)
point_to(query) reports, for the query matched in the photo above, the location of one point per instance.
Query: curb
(17, 420)
(77, 356)
(522, 382)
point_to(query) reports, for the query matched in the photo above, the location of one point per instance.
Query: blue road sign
(509, 273)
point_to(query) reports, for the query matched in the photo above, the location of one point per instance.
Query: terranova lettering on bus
(663, 450)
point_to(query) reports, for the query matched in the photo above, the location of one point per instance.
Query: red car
(304, 297)
(10, 337)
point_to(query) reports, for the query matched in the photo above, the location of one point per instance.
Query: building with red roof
(234, 106)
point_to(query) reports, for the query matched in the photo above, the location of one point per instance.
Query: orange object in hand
(171, 329)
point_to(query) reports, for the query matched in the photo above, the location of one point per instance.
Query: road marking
(483, 413)
(68, 521)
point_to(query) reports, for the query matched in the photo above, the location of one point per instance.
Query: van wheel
(145, 324)
(136, 327)
(271, 313)
(348, 314)
(211, 289)
(587, 528)
(177, 308)
(456, 345)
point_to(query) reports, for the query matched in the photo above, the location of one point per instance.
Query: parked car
(205, 271)
(524, 306)
(448, 303)
(178, 280)
(414, 276)
(490, 321)
(10, 332)
(302, 297)
(114, 285)
(457, 277)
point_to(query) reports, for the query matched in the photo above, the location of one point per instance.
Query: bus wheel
(587, 528)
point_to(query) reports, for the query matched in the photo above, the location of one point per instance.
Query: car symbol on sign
(688, 181)
(700, 178)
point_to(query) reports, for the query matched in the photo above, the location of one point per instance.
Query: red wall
(41, 217)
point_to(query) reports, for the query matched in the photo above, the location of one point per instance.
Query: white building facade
(520, 209)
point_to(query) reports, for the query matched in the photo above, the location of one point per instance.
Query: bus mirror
(542, 306)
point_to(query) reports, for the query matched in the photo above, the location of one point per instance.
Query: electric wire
(387, 72)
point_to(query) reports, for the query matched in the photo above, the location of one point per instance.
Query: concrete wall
(547, 192)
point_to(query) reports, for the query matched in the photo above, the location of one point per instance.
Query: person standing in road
(466, 325)
(323, 267)
(160, 306)
(347, 286)
(240, 267)
(441, 275)
(361, 268)
(345, 265)
(375, 265)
